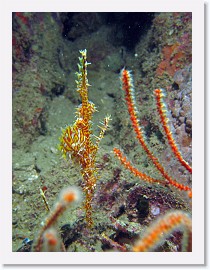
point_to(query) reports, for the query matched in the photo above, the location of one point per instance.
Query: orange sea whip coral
(67, 197)
(51, 241)
(163, 227)
(127, 86)
(161, 108)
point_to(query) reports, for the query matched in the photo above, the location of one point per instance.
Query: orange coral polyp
(69, 197)
(51, 239)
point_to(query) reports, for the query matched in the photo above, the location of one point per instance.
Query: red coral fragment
(173, 57)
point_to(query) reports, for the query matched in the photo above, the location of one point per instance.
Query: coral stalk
(132, 169)
(163, 227)
(162, 110)
(67, 197)
(127, 86)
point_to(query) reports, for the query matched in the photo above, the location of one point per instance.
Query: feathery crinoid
(78, 141)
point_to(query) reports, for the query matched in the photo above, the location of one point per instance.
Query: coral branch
(67, 197)
(127, 86)
(163, 227)
(136, 172)
(161, 108)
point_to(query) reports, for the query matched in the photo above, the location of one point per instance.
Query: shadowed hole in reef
(127, 27)
(142, 205)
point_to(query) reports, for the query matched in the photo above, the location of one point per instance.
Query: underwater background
(157, 48)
